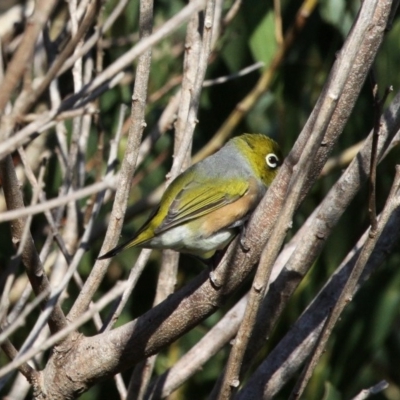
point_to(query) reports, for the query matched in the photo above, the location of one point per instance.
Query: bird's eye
(272, 160)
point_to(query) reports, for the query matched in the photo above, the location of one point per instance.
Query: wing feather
(197, 199)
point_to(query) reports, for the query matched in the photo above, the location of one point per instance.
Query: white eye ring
(272, 160)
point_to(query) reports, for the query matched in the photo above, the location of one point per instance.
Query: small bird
(204, 208)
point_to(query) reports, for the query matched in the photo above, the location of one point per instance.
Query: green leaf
(331, 393)
(262, 41)
(334, 12)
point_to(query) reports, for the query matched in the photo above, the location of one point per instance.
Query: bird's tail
(135, 241)
(114, 251)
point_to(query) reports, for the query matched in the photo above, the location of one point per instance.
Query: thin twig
(195, 99)
(136, 129)
(365, 393)
(87, 110)
(93, 40)
(30, 257)
(378, 106)
(115, 292)
(239, 74)
(20, 320)
(342, 160)
(128, 164)
(278, 22)
(261, 86)
(21, 58)
(191, 61)
(23, 367)
(143, 372)
(104, 80)
(17, 257)
(170, 26)
(131, 282)
(313, 361)
(28, 99)
(59, 201)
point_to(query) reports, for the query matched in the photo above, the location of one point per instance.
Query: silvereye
(202, 209)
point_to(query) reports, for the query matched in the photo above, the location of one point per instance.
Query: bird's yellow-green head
(262, 153)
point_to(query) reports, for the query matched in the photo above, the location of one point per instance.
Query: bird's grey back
(226, 162)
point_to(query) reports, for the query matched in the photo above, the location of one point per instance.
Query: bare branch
(106, 79)
(26, 100)
(59, 201)
(30, 374)
(379, 387)
(378, 106)
(25, 50)
(128, 164)
(30, 257)
(170, 26)
(61, 335)
(196, 357)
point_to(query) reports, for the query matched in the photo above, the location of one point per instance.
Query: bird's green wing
(197, 199)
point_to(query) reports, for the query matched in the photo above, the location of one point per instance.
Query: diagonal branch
(136, 129)
(346, 293)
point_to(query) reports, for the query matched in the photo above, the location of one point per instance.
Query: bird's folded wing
(197, 199)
